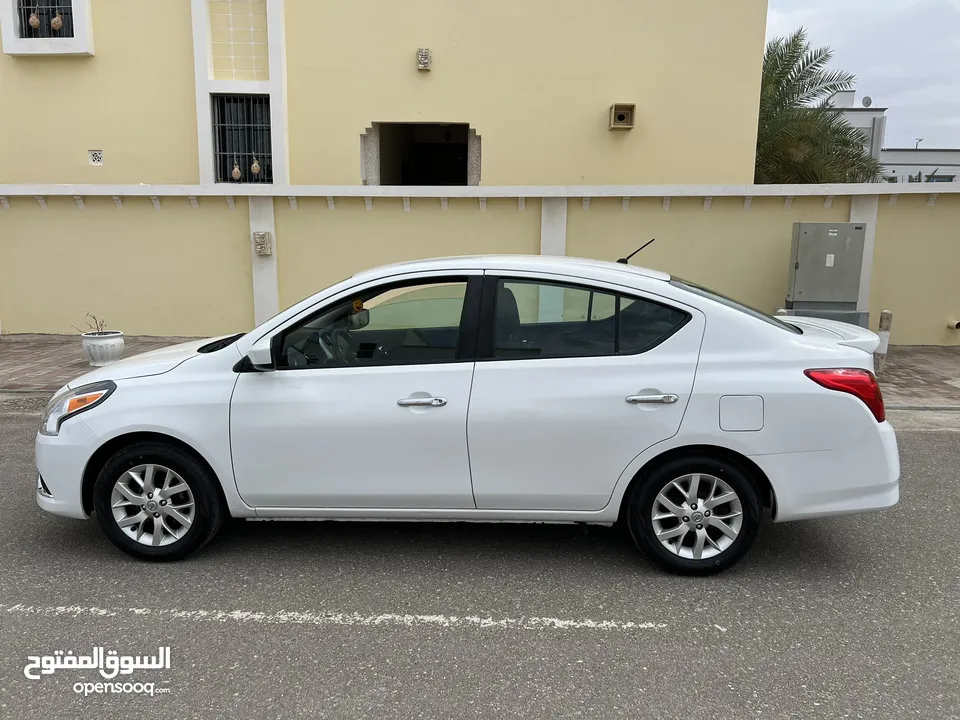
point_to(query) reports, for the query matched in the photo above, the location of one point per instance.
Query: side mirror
(260, 354)
(358, 320)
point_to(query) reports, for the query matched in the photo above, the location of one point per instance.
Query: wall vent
(622, 116)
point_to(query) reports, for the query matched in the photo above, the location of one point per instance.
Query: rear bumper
(856, 479)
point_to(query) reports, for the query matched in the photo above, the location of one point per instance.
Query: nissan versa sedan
(518, 389)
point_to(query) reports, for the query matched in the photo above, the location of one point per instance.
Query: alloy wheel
(697, 516)
(153, 505)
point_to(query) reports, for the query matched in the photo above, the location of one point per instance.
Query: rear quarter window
(645, 324)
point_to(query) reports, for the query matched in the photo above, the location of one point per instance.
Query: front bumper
(61, 460)
(859, 478)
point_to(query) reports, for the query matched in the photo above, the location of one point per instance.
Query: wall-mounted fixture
(95, 157)
(263, 243)
(424, 58)
(622, 116)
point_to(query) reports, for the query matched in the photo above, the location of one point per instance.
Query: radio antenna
(626, 260)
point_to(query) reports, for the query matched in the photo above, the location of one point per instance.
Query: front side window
(406, 325)
(549, 320)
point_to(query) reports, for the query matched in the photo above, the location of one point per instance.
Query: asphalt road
(849, 617)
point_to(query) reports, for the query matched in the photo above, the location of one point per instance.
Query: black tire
(208, 508)
(639, 511)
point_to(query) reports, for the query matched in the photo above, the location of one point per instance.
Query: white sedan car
(520, 389)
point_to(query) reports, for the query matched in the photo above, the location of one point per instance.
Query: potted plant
(102, 346)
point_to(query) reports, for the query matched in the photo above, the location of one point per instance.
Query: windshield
(729, 302)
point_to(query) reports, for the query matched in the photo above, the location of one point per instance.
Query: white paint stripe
(333, 618)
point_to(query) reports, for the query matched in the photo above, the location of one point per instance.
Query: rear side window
(552, 320)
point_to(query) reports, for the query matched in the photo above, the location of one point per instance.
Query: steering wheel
(313, 350)
(345, 347)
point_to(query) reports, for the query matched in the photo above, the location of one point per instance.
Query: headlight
(71, 402)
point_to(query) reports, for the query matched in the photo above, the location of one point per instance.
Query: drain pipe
(880, 356)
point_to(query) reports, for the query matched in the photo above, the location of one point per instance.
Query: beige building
(189, 167)
(153, 87)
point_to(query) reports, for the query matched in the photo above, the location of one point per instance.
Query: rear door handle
(652, 399)
(422, 402)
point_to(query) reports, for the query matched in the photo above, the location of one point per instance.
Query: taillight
(861, 383)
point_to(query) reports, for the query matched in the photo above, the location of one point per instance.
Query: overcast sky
(905, 54)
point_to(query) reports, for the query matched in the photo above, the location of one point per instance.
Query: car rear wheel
(695, 515)
(157, 502)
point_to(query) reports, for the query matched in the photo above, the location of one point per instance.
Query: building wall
(536, 81)
(915, 268)
(176, 271)
(904, 163)
(871, 121)
(134, 100)
(743, 253)
(317, 247)
(185, 271)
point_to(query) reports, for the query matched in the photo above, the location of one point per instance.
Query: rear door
(572, 382)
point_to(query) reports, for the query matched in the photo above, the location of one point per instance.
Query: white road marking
(334, 618)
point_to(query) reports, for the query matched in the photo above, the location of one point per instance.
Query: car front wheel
(157, 502)
(695, 515)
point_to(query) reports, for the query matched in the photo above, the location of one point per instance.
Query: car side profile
(524, 389)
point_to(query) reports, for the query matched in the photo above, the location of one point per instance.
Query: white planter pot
(103, 348)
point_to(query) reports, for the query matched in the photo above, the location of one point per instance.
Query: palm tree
(800, 138)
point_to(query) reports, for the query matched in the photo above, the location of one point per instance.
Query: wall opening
(420, 154)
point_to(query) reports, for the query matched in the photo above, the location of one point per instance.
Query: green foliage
(800, 139)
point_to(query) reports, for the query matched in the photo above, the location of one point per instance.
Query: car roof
(531, 263)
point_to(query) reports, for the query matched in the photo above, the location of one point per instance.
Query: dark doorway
(423, 154)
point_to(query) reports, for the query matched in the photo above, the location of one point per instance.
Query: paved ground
(45, 363)
(913, 376)
(850, 617)
(922, 376)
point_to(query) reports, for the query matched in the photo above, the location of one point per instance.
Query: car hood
(154, 362)
(842, 333)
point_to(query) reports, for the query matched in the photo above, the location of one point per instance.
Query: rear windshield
(730, 303)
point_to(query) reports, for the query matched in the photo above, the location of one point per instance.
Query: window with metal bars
(241, 136)
(45, 18)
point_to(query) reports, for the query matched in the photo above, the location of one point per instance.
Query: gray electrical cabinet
(825, 262)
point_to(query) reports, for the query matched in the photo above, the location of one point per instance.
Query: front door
(576, 383)
(367, 407)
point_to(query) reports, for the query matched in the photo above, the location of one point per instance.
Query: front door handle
(422, 402)
(652, 399)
